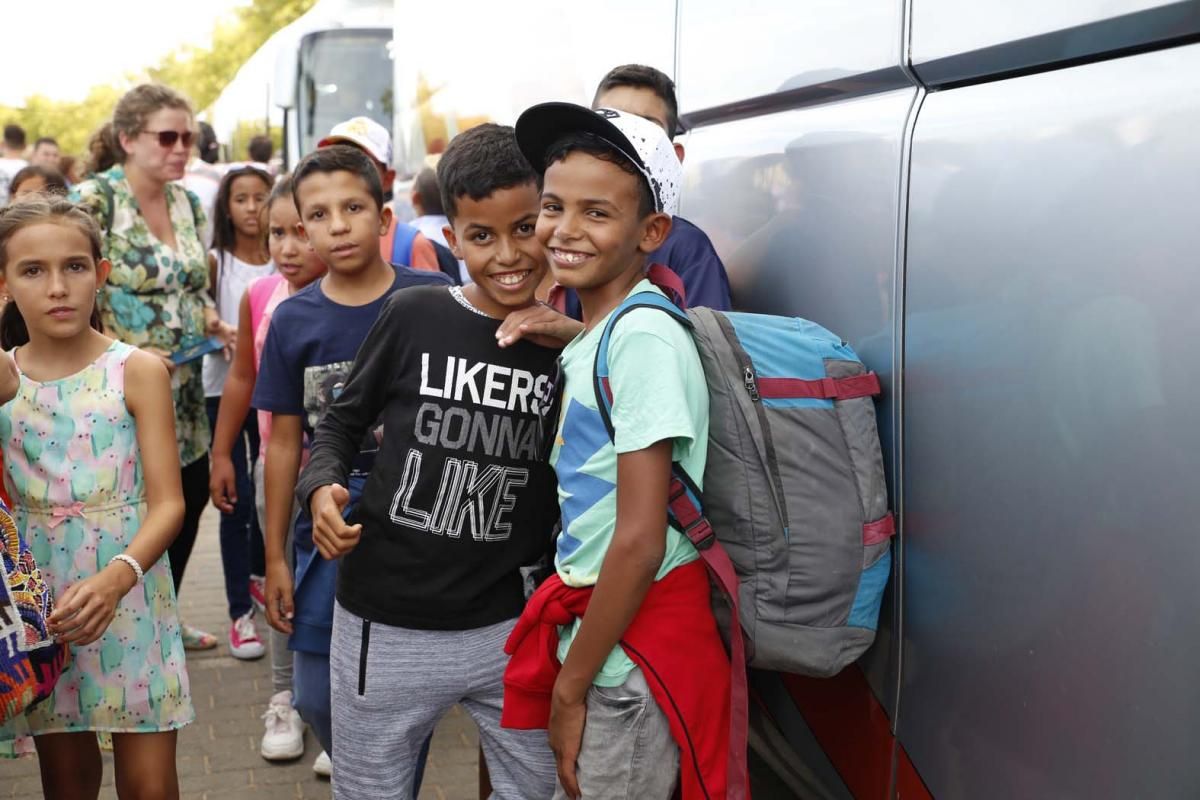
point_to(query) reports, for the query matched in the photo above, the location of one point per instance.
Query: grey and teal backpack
(794, 497)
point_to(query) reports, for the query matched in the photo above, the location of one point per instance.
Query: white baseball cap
(641, 141)
(365, 133)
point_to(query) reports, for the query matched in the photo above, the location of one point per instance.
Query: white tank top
(233, 276)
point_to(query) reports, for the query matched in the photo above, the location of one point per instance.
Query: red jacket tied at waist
(673, 639)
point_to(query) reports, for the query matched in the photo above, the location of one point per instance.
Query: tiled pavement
(218, 754)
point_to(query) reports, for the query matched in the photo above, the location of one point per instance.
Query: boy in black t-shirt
(459, 499)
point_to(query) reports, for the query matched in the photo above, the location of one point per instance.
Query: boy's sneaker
(323, 766)
(284, 737)
(258, 592)
(243, 638)
(196, 639)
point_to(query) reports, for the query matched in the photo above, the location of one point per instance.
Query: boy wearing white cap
(403, 244)
(639, 657)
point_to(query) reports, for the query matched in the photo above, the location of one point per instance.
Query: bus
(332, 63)
(995, 205)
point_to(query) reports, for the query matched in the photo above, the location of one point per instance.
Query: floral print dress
(74, 471)
(156, 294)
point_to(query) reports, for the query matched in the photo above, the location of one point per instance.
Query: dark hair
(224, 236)
(66, 165)
(207, 144)
(480, 161)
(32, 211)
(339, 158)
(55, 182)
(596, 147)
(282, 188)
(426, 187)
(260, 149)
(102, 149)
(45, 140)
(644, 77)
(14, 136)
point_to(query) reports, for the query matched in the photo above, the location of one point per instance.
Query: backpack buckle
(700, 534)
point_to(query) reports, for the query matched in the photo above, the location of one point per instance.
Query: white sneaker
(243, 638)
(323, 766)
(284, 738)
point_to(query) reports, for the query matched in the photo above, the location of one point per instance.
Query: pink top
(265, 294)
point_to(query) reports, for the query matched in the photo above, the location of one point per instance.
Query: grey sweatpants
(391, 685)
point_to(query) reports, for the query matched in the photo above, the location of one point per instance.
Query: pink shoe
(258, 592)
(243, 639)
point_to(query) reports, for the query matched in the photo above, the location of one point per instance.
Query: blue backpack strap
(600, 371)
(402, 243)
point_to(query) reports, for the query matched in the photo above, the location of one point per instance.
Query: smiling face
(495, 236)
(340, 219)
(52, 276)
(247, 196)
(589, 223)
(144, 151)
(296, 261)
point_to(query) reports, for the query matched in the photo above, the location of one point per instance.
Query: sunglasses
(169, 138)
(549, 407)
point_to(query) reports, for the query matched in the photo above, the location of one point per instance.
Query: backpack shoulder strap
(402, 241)
(685, 513)
(600, 371)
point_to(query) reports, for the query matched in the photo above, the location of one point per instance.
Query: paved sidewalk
(218, 754)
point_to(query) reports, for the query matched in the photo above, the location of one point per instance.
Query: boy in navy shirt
(311, 344)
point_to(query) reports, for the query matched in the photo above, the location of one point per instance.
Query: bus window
(343, 74)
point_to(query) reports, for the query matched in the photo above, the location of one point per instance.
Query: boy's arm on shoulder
(633, 559)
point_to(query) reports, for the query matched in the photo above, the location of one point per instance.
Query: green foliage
(199, 73)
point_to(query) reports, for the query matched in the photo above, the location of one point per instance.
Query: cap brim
(542, 125)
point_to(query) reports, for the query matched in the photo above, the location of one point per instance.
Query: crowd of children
(424, 452)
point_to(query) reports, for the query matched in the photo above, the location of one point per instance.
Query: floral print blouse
(156, 294)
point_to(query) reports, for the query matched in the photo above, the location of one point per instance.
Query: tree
(199, 73)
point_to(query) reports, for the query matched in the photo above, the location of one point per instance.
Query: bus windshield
(343, 74)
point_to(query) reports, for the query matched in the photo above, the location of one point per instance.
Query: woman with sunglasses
(157, 296)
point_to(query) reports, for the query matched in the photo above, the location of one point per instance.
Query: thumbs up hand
(332, 536)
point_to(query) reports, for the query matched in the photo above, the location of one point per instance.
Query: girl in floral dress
(93, 470)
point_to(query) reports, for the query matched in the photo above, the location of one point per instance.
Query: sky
(83, 42)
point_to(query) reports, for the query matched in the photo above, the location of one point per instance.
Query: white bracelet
(132, 562)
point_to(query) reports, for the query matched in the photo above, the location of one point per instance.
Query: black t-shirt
(458, 500)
